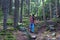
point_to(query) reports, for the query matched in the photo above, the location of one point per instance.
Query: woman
(32, 23)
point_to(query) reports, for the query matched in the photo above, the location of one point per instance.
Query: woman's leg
(32, 27)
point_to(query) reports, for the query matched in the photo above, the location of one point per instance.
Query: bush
(10, 24)
(2, 32)
(54, 19)
(9, 33)
(58, 20)
(9, 37)
(11, 29)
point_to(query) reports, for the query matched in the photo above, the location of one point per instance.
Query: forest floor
(42, 34)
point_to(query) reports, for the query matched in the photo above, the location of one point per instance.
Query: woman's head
(32, 14)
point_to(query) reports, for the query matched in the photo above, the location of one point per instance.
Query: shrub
(54, 19)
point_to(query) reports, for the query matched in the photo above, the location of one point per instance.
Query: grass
(7, 35)
(8, 21)
(10, 37)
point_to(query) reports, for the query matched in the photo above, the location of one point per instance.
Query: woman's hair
(32, 14)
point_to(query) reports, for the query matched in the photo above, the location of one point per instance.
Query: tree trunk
(44, 17)
(0, 3)
(21, 11)
(28, 7)
(37, 7)
(16, 13)
(10, 6)
(56, 8)
(5, 9)
(50, 9)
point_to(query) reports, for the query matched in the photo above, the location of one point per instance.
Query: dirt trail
(20, 36)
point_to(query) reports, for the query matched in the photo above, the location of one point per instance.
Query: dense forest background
(14, 11)
(15, 19)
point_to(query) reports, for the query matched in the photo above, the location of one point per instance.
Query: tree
(28, 7)
(16, 13)
(56, 8)
(50, 9)
(0, 3)
(5, 8)
(44, 18)
(21, 11)
(36, 7)
(10, 6)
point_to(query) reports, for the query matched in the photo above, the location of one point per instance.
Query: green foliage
(4, 32)
(10, 24)
(10, 20)
(20, 25)
(10, 37)
(7, 35)
(11, 29)
(54, 19)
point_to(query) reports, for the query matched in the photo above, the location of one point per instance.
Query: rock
(33, 36)
(53, 34)
(53, 38)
